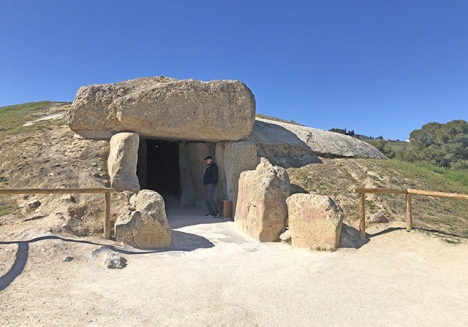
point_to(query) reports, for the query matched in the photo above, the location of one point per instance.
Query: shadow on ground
(180, 242)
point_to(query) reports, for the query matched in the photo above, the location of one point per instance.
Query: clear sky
(380, 67)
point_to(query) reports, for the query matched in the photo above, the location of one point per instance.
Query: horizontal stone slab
(166, 108)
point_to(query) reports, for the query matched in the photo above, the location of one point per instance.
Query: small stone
(114, 261)
(69, 198)
(285, 236)
(378, 218)
(34, 204)
(67, 259)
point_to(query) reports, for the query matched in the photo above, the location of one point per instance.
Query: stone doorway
(158, 168)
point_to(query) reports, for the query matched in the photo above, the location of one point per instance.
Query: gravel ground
(214, 275)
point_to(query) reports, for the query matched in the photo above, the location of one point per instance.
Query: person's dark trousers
(210, 199)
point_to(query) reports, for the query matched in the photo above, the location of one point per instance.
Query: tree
(444, 145)
(383, 147)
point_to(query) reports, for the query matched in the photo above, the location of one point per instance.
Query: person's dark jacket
(211, 174)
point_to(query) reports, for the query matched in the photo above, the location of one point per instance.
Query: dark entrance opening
(162, 169)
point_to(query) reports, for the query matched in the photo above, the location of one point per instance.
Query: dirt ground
(214, 275)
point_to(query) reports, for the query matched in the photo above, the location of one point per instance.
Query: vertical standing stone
(314, 221)
(261, 206)
(122, 162)
(238, 157)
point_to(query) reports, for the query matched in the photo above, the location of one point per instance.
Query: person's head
(208, 159)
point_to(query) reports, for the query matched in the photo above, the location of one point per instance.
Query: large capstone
(166, 108)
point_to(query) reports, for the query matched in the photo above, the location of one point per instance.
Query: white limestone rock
(261, 205)
(290, 145)
(144, 223)
(166, 108)
(122, 162)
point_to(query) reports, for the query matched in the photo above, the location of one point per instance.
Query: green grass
(12, 118)
(436, 178)
(6, 208)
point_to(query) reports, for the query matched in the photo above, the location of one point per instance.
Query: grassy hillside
(13, 118)
(338, 178)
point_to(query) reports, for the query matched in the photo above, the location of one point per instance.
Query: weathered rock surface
(144, 223)
(238, 157)
(378, 218)
(193, 168)
(261, 206)
(314, 221)
(166, 108)
(290, 145)
(122, 162)
(114, 261)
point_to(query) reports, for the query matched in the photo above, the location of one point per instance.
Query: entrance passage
(162, 169)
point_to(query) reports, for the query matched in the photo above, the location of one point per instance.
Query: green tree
(444, 145)
(383, 147)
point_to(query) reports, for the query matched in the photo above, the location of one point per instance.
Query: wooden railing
(409, 215)
(106, 191)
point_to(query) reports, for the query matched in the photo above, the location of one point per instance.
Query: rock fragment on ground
(114, 261)
(378, 218)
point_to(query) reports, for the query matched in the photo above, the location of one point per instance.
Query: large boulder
(166, 108)
(261, 205)
(143, 224)
(290, 145)
(122, 162)
(314, 221)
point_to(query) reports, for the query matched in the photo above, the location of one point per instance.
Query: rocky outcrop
(261, 206)
(143, 224)
(122, 162)
(166, 108)
(314, 221)
(290, 145)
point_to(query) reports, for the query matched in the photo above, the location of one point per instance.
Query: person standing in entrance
(210, 179)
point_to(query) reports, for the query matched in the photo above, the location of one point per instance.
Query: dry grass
(338, 178)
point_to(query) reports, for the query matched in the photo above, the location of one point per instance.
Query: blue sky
(378, 67)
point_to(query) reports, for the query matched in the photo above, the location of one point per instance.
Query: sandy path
(223, 278)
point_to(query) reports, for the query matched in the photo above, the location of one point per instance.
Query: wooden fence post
(362, 216)
(409, 215)
(107, 218)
